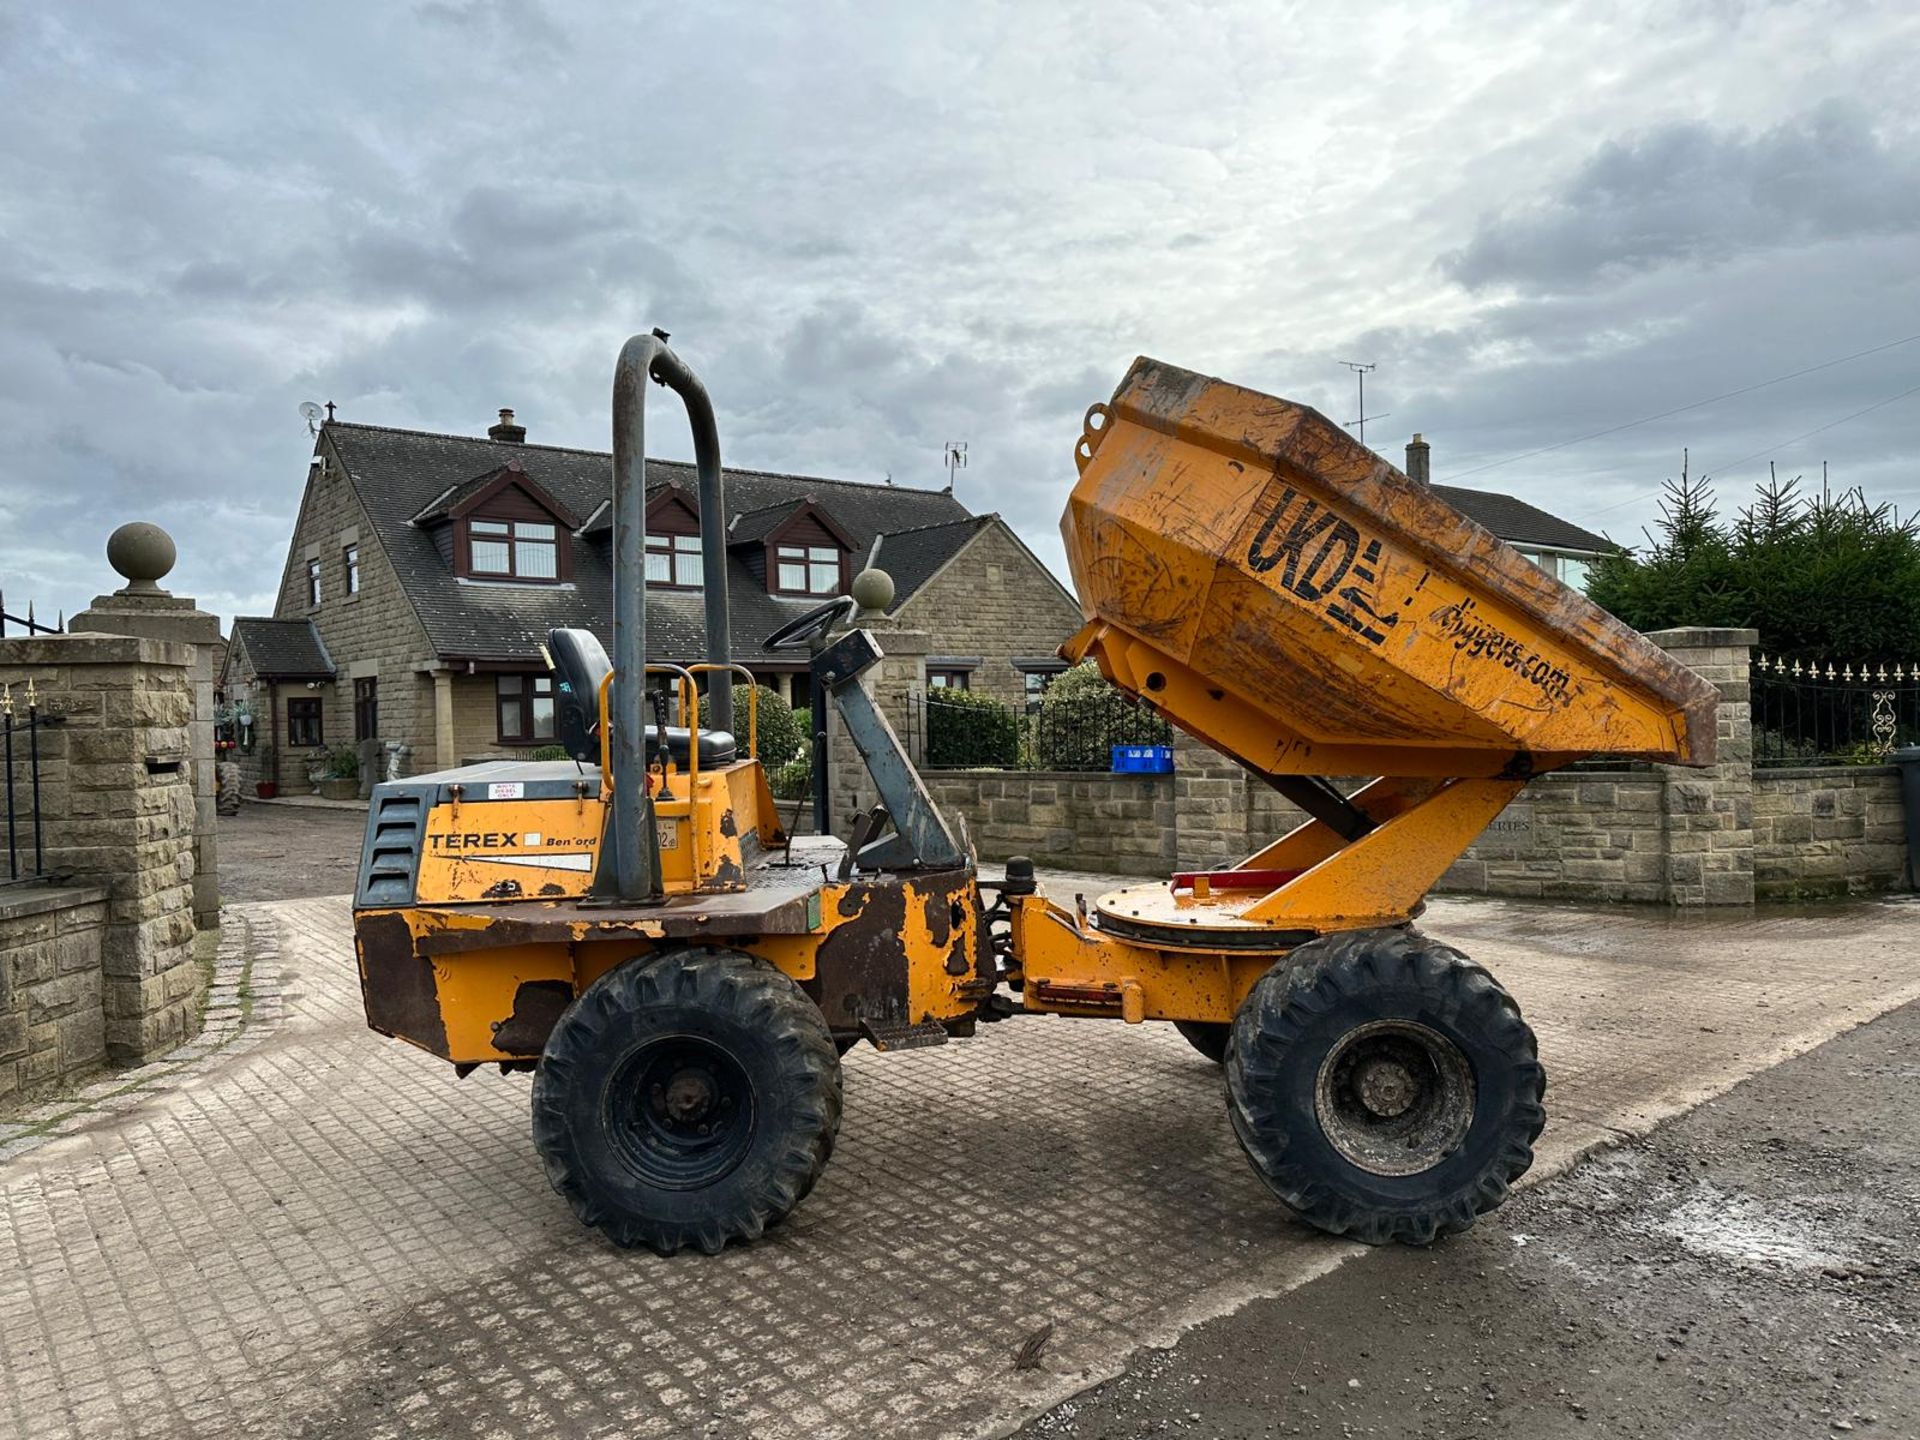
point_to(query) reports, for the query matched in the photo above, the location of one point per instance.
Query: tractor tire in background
(687, 1099)
(1209, 1037)
(1384, 1086)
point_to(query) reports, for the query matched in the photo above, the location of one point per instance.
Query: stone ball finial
(143, 553)
(873, 591)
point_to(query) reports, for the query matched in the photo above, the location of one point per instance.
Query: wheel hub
(681, 1112)
(1394, 1097)
(688, 1096)
(1385, 1087)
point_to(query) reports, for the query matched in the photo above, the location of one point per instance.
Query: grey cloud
(1688, 192)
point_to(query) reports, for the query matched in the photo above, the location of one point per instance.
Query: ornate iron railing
(1065, 733)
(28, 622)
(1819, 713)
(26, 847)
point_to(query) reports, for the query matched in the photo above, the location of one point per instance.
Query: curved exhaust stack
(643, 358)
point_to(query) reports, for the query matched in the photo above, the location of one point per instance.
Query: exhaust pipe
(643, 358)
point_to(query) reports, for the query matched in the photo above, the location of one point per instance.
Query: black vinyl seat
(580, 668)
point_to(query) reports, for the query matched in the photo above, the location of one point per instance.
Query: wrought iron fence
(1077, 733)
(28, 622)
(1818, 713)
(26, 848)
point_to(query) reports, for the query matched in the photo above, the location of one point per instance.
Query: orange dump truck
(682, 976)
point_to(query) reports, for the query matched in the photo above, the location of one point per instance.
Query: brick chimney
(1416, 460)
(506, 432)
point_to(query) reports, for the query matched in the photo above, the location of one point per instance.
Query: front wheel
(690, 1099)
(1384, 1086)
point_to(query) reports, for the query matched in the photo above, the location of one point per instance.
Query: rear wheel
(1384, 1086)
(1209, 1037)
(686, 1100)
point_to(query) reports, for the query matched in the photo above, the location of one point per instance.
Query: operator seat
(580, 668)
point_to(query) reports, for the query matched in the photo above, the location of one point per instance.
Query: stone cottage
(425, 571)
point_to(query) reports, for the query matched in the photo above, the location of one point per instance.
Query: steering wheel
(818, 621)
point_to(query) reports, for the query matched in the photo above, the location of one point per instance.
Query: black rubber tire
(1299, 1014)
(761, 1031)
(1209, 1037)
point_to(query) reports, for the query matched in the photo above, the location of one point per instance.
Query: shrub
(343, 763)
(1821, 575)
(550, 752)
(793, 780)
(1081, 719)
(780, 731)
(966, 731)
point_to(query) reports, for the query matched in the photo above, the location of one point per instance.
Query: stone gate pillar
(143, 554)
(117, 807)
(1708, 813)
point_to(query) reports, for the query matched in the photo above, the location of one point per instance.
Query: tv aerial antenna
(1359, 426)
(311, 413)
(955, 460)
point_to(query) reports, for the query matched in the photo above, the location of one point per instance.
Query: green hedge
(966, 731)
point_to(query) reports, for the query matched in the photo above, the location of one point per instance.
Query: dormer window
(793, 548)
(503, 525)
(673, 541)
(515, 549)
(673, 561)
(807, 569)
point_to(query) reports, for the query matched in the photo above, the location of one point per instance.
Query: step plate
(896, 1035)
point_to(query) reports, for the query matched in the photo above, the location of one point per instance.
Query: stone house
(425, 571)
(1561, 548)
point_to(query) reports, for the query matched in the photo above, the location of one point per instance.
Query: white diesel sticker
(506, 790)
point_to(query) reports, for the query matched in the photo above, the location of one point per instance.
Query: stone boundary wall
(1657, 834)
(1832, 830)
(52, 996)
(1068, 819)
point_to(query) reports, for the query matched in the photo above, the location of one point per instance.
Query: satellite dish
(310, 413)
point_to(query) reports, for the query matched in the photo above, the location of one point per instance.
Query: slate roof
(399, 473)
(282, 649)
(913, 557)
(1519, 523)
(750, 525)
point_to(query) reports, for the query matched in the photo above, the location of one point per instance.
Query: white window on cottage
(807, 570)
(351, 556)
(313, 583)
(673, 561)
(519, 549)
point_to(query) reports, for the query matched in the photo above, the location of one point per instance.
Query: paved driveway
(319, 1232)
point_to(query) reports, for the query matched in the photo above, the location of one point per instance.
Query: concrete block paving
(313, 1231)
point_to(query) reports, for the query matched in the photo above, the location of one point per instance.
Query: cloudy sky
(875, 229)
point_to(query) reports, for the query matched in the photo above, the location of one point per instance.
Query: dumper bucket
(1276, 588)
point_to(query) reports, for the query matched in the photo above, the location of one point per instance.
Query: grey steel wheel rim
(1394, 1097)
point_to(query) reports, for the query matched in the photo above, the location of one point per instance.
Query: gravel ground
(286, 852)
(1746, 1271)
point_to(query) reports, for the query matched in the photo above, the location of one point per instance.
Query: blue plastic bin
(1143, 759)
